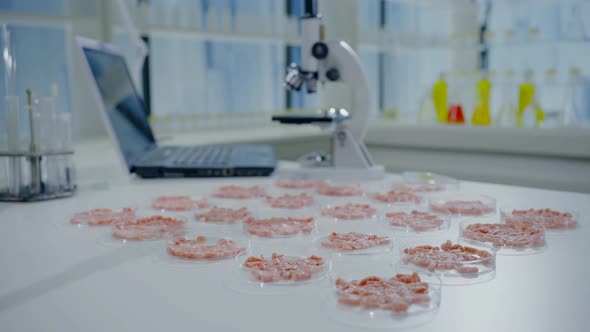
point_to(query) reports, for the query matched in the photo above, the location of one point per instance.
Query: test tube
(13, 143)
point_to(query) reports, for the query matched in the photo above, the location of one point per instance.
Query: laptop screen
(125, 109)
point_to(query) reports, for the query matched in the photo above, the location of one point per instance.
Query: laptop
(126, 119)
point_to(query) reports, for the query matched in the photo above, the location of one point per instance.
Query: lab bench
(59, 278)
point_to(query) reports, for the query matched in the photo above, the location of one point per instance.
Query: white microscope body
(335, 61)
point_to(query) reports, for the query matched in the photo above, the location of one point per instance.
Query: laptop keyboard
(193, 156)
(209, 155)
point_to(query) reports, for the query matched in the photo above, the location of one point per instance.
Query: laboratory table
(59, 278)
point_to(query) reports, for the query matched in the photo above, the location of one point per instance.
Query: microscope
(324, 62)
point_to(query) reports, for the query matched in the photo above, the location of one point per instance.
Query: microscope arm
(343, 65)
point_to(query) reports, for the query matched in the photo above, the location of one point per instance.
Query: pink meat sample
(295, 184)
(326, 189)
(223, 215)
(416, 220)
(239, 192)
(199, 249)
(395, 294)
(550, 219)
(178, 203)
(396, 197)
(349, 211)
(448, 256)
(100, 217)
(354, 241)
(472, 208)
(278, 227)
(291, 201)
(282, 268)
(154, 227)
(515, 234)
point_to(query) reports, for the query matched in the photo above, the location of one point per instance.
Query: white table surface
(58, 278)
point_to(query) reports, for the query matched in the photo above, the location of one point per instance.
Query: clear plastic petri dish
(519, 238)
(239, 192)
(294, 182)
(290, 200)
(146, 227)
(353, 210)
(178, 203)
(412, 310)
(392, 197)
(413, 221)
(280, 223)
(98, 217)
(553, 219)
(456, 262)
(223, 214)
(339, 189)
(354, 243)
(260, 273)
(461, 204)
(199, 250)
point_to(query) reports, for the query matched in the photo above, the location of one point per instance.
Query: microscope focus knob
(333, 74)
(319, 50)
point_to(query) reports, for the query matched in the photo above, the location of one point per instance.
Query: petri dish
(246, 280)
(414, 315)
(551, 218)
(144, 228)
(339, 189)
(178, 203)
(354, 243)
(290, 201)
(294, 182)
(205, 252)
(349, 210)
(519, 238)
(465, 264)
(223, 215)
(412, 221)
(461, 204)
(395, 197)
(280, 223)
(239, 192)
(99, 217)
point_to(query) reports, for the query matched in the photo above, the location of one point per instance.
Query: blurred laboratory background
(484, 90)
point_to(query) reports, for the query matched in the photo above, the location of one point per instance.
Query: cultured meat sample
(448, 256)
(396, 197)
(462, 207)
(199, 249)
(550, 219)
(354, 241)
(296, 184)
(514, 234)
(349, 211)
(395, 294)
(278, 227)
(291, 201)
(223, 215)
(416, 220)
(326, 189)
(100, 217)
(154, 227)
(239, 192)
(178, 203)
(283, 268)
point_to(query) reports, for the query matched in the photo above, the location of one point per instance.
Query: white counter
(58, 278)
